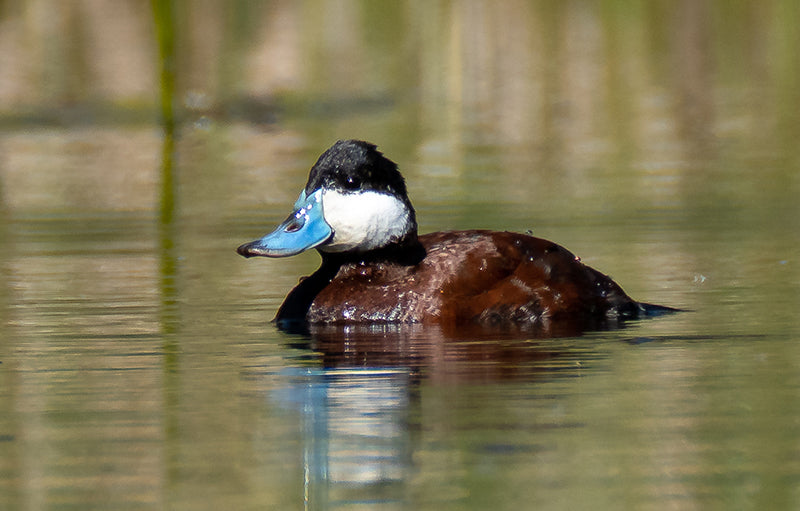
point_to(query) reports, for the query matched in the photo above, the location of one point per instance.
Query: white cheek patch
(363, 221)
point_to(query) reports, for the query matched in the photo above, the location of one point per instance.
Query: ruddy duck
(376, 269)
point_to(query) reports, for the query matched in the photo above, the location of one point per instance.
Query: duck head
(355, 202)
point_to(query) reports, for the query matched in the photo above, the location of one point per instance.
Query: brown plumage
(486, 277)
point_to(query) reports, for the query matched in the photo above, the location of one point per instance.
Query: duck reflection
(358, 407)
(466, 353)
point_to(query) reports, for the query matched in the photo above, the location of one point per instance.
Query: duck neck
(407, 252)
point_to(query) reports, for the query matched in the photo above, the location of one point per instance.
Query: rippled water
(127, 387)
(138, 366)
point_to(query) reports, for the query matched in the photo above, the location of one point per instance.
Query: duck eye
(352, 183)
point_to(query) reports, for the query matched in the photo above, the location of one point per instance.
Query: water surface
(138, 366)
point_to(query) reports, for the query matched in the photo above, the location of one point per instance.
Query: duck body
(449, 278)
